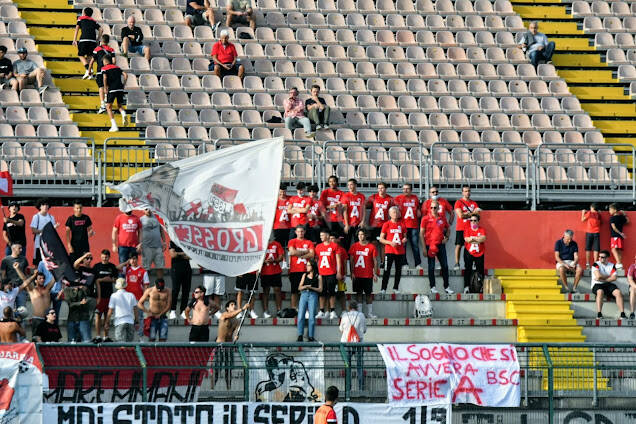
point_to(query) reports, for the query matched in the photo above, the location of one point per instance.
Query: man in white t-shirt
(8, 295)
(603, 277)
(38, 222)
(122, 305)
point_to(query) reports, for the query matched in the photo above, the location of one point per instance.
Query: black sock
(332, 309)
(322, 310)
(86, 66)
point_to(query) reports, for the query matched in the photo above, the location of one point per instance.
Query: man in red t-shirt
(434, 234)
(314, 216)
(393, 237)
(379, 204)
(409, 206)
(342, 285)
(445, 207)
(363, 263)
(281, 218)
(474, 249)
(126, 235)
(592, 219)
(354, 212)
(464, 209)
(300, 251)
(137, 282)
(271, 275)
(330, 268)
(224, 57)
(331, 200)
(631, 282)
(298, 209)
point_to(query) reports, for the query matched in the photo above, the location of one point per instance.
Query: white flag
(218, 207)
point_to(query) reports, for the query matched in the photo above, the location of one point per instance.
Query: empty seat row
(581, 8)
(593, 24)
(33, 150)
(31, 97)
(43, 130)
(605, 40)
(35, 115)
(42, 170)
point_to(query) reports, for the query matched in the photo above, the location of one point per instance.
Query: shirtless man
(9, 329)
(200, 308)
(159, 300)
(40, 296)
(224, 355)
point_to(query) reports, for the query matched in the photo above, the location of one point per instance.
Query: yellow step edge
(52, 34)
(576, 59)
(67, 68)
(616, 126)
(540, 12)
(610, 109)
(531, 272)
(587, 76)
(57, 50)
(95, 120)
(599, 93)
(101, 136)
(49, 18)
(573, 44)
(75, 85)
(560, 28)
(43, 4)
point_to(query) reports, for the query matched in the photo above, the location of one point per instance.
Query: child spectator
(592, 219)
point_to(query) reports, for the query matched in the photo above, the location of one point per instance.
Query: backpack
(476, 282)
(423, 306)
(352, 336)
(287, 313)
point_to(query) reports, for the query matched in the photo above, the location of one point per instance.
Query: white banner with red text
(433, 373)
(219, 206)
(240, 413)
(20, 384)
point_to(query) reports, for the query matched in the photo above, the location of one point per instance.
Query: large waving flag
(218, 207)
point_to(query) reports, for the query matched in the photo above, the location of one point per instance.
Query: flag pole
(238, 330)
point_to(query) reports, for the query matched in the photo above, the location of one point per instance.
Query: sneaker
(466, 290)
(311, 339)
(318, 127)
(172, 315)
(419, 268)
(449, 291)
(2, 86)
(632, 316)
(97, 340)
(310, 134)
(124, 120)
(114, 128)
(307, 315)
(266, 315)
(216, 26)
(623, 316)
(396, 291)
(456, 267)
(43, 89)
(107, 340)
(333, 315)
(434, 290)
(325, 126)
(372, 316)
(217, 315)
(86, 75)
(102, 109)
(253, 314)
(320, 315)
(382, 291)
(300, 339)
(599, 315)
(183, 316)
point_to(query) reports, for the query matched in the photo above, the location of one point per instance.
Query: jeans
(443, 262)
(468, 263)
(319, 117)
(399, 262)
(124, 252)
(125, 333)
(56, 304)
(413, 236)
(20, 300)
(545, 54)
(359, 355)
(293, 122)
(158, 327)
(308, 302)
(78, 331)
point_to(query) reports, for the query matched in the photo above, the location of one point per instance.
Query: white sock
(369, 308)
(123, 113)
(113, 123)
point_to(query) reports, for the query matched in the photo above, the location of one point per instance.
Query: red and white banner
(20, 384)
(6, 184)
(433, 373)
(218, 207)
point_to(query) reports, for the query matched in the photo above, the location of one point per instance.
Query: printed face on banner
(288, 381)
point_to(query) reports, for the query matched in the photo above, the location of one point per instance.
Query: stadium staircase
(583, 63)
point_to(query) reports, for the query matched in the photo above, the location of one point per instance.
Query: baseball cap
(22, 50)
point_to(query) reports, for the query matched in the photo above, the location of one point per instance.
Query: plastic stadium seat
(620, 175)
(458, 87)
(591, 137)
(20, 169)
(560, 121)
(598, 174)
(217, 133)
(515, 174)
(556, 175)
(86, 168)
(145, 116)
(174, 132)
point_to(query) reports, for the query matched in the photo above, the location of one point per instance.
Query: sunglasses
(434, 191)
(433, 208)
(603, 257)
(52, 313)
(473, 220)
(198, 291)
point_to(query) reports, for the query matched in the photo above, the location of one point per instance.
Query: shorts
(6, 81)
(235, 19)
(199, 333)
(294, 280)
(158, 325)
(281, 235)
(273, 280)
(459, 238)
(246, 283)
(102, 306)
(99, 79)
(329, 285)
(214, 284)
(234, 70)
(363, 285)
(137, 49)
(116, 95)
(571, 263)
(607, 288)
(616, 243)
(374, 233)
(592, 242)
(125, 333)
(85, 48)
(198, 19)
(150, 255)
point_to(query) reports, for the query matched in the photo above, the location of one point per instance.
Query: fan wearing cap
(159, 299)
(224, 58)
(27, 72)
(38, 222)
(48, 331)
(121, 307)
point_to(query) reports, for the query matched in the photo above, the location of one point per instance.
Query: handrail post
(595, 395)
(144, 373)
(100, 179)
(548, 361)
(347, 373)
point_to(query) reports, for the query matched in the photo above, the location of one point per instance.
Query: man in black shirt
(181, 277)
(13, 230)
(79, 228)
(105, 275)
(199, 12)
(317, 109)
(98, 55)
(114, 82)
(132, 38)
(6, 71)
(617, 220)
(91, 32)
(48, 331)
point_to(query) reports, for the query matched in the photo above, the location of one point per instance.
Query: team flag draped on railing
(218, 207)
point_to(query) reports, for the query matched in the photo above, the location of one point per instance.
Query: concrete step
(49, 18)
(65, 51)
(58, 67)
(75, 85)
(554, 334)
(599, 93)
(44, 4)
(541, 12)
(82, 102)
(573, 44)
(586, 75)
(502, 272)
(101, 136)
(557, 28)
(619, 126)
(534, 307)
(610, 109)
(577, 59)
(52, 34)
(101, 120)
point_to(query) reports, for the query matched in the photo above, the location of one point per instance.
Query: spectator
(9, 328)
(331, 200)
(603, 277)
(445, 208)
(126, 233)
(26, 72)
(380, 204)
(122, 306)
(434, 233)
(631, 280)
(317, 109)
(6, 71)
(10, 272)
(199, 12)
(592, 219)
(464, 209)
(353, 326)
(87, 280)
(91, 32)
(326, 414)
(225, 58)
(40, 296)
(200, 319)
(114, 82)
(310, 287)
(314, 215)
(228, 324)
(181, 277)
(137, 282)
(330, 268)
(298, 208)
(48, 331)
(132, 40)
(79, 228)
(13, 230)
(341, 292)
(363, 263)
(153, 243)
(8, 294)
(240, 11)
(105, 275)
(38, 222)
(99, 53)
(474, 249)
(214, 284)
(158, 298)
(281, 219)
(566, 253)
(536, 45)
(55, 290)
(244, 285)
(77, 324)
(617, 220)
(301, 250)
(393, 237)
(295, 115)
(409, 206)
(271, 273)
(353, 212)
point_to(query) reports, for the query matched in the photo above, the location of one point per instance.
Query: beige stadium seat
(620, 175)
(515, 174)
(12, 150)
(47, 130)
(522, 156)
(585, 157)
(448, 136)
(459, 121)
(451, 173)
(564, 157)
(502, 156)
(469, 136)
(460, 155)
(592, 137)
(469, 104)
(388, 173)
(42, 168)
(607, 157)
(357, 154)
(366, 135)
(458, 87)
(427, 104)
(556, 175)
(598, 174)
(531, 105)
(494, 174)
(367, 172)
(25, 130)
(552, 137)
(409, 173)
(428, 137)
(439, 121)
(56, 150)
(20, 169)
(490, 136)
(577, 174)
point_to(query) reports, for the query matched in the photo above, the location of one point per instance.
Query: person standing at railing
(474, 250)
(592, 219)
(326, 414)
(121, 306)
(617, 220)
(38, 222)
(409, 206)
(331, 200)
(200, 319)
(353, 326)
(393, 237)
(310, 287)
(434, 234)
(464, 209)
(126, 233)
(79, 228)
(13, 230)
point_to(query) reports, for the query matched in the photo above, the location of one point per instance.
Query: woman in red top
(434, 234)
(474, 249)
(592, 219)
(393, 237)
